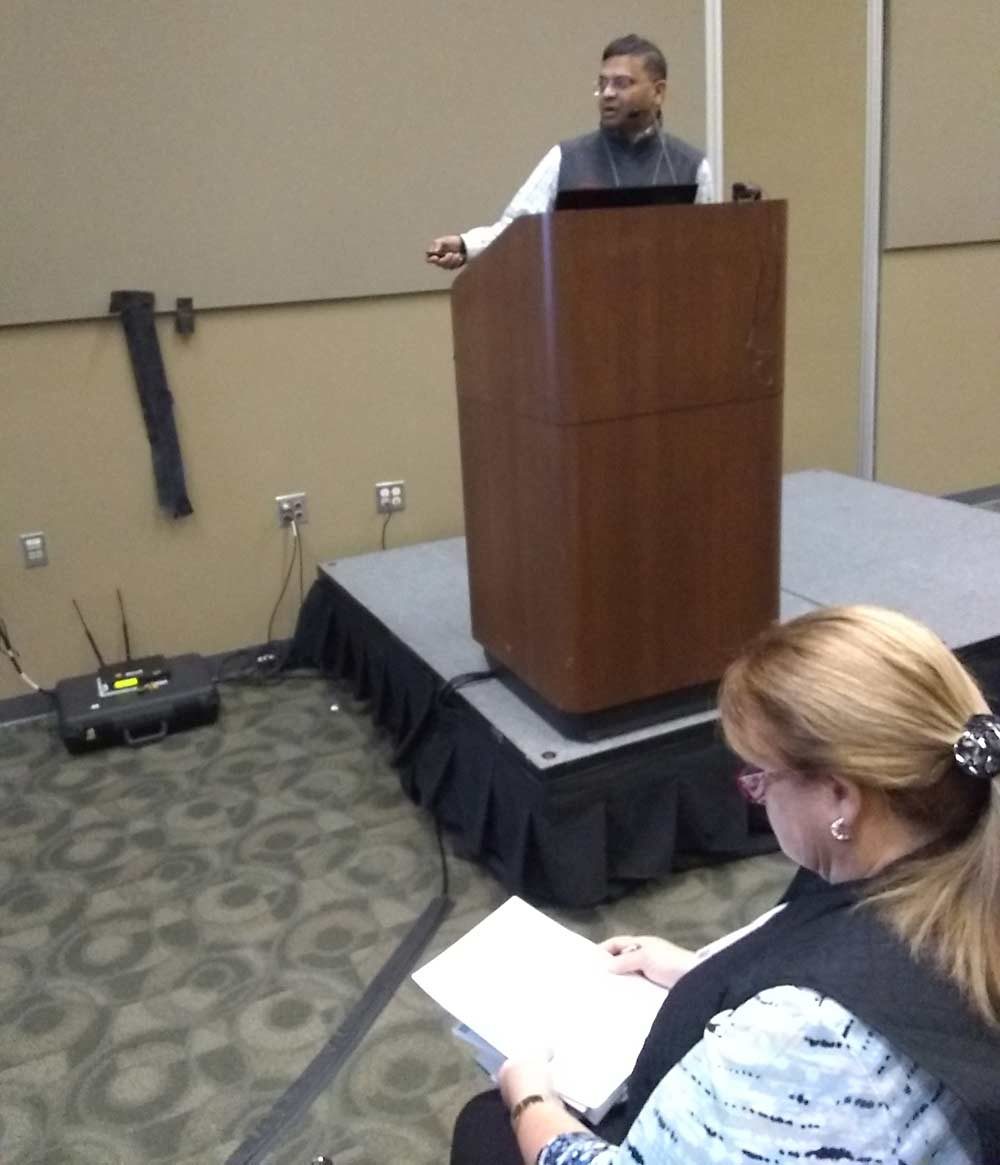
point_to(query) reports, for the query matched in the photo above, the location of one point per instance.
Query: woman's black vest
(821, 941)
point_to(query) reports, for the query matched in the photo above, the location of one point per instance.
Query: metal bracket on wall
(184, 318)
(119, 299)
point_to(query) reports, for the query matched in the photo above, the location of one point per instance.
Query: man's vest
(603, 160)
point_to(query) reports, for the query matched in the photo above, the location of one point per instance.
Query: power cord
(385, 524)
(302, 589)
(409, 742)
(296, 551)
(445, 880)
(452, 686)
(8, 648)
(440, 700)
(463, 680)
(267, 661)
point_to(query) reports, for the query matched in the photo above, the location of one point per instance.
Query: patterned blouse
(789, 1076)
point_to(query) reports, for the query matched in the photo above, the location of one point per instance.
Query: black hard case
(88, 721)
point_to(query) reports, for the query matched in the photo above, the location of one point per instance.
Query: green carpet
(182, 927)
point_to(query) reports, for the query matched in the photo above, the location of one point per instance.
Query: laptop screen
(598, 197)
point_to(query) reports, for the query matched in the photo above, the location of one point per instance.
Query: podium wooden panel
(620, 379)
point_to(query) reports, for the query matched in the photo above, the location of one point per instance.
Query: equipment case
(89, 720)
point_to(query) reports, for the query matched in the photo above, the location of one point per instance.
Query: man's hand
(447, 252)
(655, 958)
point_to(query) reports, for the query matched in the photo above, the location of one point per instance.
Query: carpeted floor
(182, 927)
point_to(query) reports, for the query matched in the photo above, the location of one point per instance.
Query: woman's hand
(537, 1113)
(523, 1076)
(658, 960)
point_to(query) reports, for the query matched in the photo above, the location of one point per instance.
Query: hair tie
(977, 750)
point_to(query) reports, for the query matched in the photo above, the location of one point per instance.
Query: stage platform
(574, 822)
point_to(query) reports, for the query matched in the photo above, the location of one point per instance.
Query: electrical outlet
(34, 549)
(390, 496)
(292, 508)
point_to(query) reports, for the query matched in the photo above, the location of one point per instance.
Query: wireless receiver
(134, 701)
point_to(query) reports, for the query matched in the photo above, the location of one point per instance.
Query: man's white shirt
(538, 196)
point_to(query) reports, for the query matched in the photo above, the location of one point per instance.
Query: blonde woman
(861, 1021)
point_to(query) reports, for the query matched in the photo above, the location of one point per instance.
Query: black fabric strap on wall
(136, 310)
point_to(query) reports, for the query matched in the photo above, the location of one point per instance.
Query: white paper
(524, 983)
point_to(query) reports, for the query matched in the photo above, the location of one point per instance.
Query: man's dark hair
(654, 62)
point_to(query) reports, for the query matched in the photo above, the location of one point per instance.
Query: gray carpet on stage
(183, 927)
(843, 540)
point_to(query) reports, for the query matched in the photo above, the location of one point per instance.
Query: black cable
(463, 680)
(8, 649)
(296, 549)
(444, 857)
(267, 662)
(227, 671)
(441, 697)
(388, 519)
(405, 746)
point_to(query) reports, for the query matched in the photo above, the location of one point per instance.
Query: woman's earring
(839, 830)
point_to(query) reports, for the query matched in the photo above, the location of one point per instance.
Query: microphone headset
(633, 115)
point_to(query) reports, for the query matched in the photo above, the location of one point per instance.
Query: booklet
(490, 1060)
(519, 982)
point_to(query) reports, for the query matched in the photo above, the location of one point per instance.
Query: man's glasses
(619, 83)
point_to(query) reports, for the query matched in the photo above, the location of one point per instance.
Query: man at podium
(629, 148)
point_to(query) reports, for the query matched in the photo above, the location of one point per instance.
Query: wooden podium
(620, 382)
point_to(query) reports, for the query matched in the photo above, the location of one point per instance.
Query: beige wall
(939, 368)
(251, 151)
(323, 398)
(795, 77)
(942, 102)
(330, 398)
(794, 91)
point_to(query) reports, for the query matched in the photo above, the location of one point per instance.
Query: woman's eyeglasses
(753, 782)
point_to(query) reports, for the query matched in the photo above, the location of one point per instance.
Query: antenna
(121, 607)
(90, 639)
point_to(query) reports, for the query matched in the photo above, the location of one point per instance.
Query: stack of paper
(523, 983)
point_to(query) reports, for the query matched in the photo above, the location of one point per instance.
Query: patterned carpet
(182, 927)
